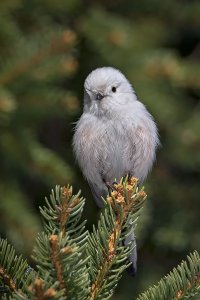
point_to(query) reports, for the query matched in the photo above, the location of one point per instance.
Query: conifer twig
(7, 279)
(13, 268)
(122, 203)
(60, 250)
(182, 282)
(55, 260)
(63, 210)
(66, 40)
(41, 293)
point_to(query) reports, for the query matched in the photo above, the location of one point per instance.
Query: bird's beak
(99, 96)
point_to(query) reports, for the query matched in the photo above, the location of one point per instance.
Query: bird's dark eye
(114, 89)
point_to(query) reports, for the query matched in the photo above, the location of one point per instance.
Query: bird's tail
(130, 241)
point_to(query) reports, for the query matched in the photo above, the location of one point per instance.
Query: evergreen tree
(72, 263)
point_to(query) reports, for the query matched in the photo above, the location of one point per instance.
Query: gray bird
(114, 136)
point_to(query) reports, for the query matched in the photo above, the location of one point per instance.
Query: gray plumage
(115, 135)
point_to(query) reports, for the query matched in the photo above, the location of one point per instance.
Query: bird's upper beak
(94, 94)
(99, 96)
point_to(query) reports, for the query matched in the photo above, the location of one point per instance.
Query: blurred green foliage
(47, 48)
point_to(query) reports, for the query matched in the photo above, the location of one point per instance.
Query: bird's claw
(110, 186)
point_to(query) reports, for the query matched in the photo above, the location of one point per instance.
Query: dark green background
(156, 44)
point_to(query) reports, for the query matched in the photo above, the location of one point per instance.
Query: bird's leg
(110, 185)
(129, 175)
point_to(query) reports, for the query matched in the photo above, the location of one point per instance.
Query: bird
(114, 137)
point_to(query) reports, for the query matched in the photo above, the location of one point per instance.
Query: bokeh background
(47, 48)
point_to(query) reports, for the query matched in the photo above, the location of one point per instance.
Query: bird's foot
(110, 186)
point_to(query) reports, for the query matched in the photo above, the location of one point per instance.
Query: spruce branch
(62, 213)
(13, 269)
(56, 46)
(107, 252)
(41, 289)
(7, 279)
(55, 257)
(182, 282)
(42, 294)
(60, 250)
(74, 264)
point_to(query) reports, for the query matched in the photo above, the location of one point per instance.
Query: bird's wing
(139, 152)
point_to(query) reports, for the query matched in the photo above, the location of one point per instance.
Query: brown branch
(56, 254)
(38, 284)
(56, 260)
(180, 294)
(7, 279)
(38, 287)
(66, 40)
(64, 209)
(41, 293)
(127, 205)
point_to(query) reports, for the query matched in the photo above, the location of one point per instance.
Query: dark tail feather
(132, 269)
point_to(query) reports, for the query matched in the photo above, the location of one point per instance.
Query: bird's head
(106, 88)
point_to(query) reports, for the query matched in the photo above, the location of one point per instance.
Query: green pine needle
(108, 255)
(41, 289)
(60, 250)
(182, 282)
(62, 213)
(14, 270)
(74, 264)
